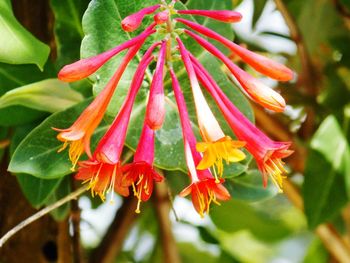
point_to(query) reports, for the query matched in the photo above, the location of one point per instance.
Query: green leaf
(249, 187)
(37, 153)
(316, 253)
(13, 76)
(259, 7)
(62, 191)
(18, 46)
(49, 95)
(235, 215)
(98, 20)
(36, 190)
(68, 29)
(327, 167)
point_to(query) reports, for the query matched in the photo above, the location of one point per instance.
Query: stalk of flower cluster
(79, 134)
(85, 67)
(266, 152)
(260, 63)
(133, 21)
(256, 90)
(155, 111)
(220, 15)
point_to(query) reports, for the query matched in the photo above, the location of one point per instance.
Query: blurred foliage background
(310, 222)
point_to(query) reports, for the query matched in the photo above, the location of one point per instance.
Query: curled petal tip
(161, 17)
(133, 21)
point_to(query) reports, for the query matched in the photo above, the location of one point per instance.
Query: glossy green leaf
(18, 46)
(235, 215)
(36, 190)
(68, 29)
(249, 187)
(327, 168)
(13, 76)
(37, 153)
(49, 95)
(60, 192)
(98, 20)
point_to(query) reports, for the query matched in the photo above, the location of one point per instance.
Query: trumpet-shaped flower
(203, 188)
(78, 135)
(133, 21)
(140, 174)
(260, 63)
(267, 153)
(155, 111)
(256, 90)
(103, 169)
(221, 15)
(216, 146)
(85, 67)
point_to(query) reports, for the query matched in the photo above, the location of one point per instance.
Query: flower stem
(40, 214)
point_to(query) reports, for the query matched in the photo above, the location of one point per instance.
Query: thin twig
(75, 221)
(4, 143)
(326, 232)
(40, 214)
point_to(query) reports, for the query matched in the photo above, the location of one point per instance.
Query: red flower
(260, 63)
(85, 67)
(102, 169)
(216, 146)
(221, 15)
(78, 135)
(132, 22)
(204, 188)
(140, 174)
(267, 153)
(256, 90)
(204, 192)
(155, 111)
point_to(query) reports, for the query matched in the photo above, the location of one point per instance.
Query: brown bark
(163, 207)
(37, 242)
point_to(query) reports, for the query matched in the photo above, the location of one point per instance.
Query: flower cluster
(105, 171)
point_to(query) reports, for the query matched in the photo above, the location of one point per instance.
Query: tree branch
(162, 204)
(40, 213)
(112, 242)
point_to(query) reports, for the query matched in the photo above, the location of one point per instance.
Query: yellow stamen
(215, 152)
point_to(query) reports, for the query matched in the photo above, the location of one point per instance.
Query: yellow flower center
(215, 152)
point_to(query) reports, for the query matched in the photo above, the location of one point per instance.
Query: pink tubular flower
(85, 67)
(140, 174)
(216, 146)
(133, 21)
(267, 153)
(103, 169)
(260, 63)
(256, 90)
(79, 133)
(203, 187)
(161, 17)
(155, 111)
(221, 15)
